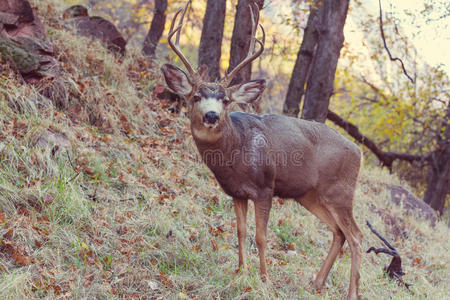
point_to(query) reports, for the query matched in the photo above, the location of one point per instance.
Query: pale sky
(432, 39)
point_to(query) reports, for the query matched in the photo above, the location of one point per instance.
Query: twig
(73, 167)
(140, 197)
(387, 49)
(70, 160)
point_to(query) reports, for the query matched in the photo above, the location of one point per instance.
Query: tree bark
(211, 40)
(302, 65)
(330, 41)
(439, 175)
(240, 41)
(156, 28)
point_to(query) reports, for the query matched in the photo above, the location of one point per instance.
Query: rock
(51, 139)
(97, 28)
(75, 11)
(394, 221)
(153, 284)
(412, 204)
(23, 41)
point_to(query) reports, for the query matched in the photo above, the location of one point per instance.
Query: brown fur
(258, 157)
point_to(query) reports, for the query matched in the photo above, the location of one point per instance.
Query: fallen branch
(394, 270)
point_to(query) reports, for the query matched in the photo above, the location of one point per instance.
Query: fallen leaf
(165, 281)
(214, 245)
(20, 259)
(2, 217)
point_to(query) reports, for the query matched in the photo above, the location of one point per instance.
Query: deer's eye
(197, 98)
(226, 100)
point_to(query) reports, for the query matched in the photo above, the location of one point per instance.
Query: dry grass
(143, 218)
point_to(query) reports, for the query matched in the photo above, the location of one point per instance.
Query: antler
(252, 55)
(175, 47)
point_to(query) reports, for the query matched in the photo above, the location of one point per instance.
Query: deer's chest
(243, 178)
(236, 184)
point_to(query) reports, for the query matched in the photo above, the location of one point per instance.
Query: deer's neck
(221, 141)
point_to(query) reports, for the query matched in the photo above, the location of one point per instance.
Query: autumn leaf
(291, 246)
(417, 261)
(165, 281)
(197, 248)
(215, 247)
(159, 88)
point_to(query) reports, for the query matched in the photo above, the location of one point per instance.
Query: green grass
(143, 212)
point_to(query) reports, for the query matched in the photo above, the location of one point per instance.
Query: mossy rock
(25, 60)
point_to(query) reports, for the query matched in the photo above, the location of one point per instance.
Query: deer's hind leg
(344, 218)
(338, 199)
(311, 202)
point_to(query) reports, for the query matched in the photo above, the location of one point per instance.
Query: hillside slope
(102, 195)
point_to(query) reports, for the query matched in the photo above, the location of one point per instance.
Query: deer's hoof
(354, 297)
(317, 285)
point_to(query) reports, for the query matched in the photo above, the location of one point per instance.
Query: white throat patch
(205, 134)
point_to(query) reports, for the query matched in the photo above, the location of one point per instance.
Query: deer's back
(301, 155)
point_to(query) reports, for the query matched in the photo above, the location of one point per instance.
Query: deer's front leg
(240, 207)
(262, 212)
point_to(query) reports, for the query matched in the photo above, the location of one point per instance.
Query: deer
(257, 157)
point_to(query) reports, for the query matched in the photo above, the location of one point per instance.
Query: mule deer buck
(258, 157)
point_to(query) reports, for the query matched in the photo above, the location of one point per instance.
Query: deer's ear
(176, 80)
(248, 92)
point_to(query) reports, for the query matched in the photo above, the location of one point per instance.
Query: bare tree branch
(386, 158)
(387, 49)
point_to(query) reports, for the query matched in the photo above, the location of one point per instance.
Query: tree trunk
(439, 175)
(156, 28)
(330, 40)
(240, 41)
(438, 180)
(211, 41)
(302, 65)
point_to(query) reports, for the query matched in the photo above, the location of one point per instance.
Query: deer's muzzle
(211, 117)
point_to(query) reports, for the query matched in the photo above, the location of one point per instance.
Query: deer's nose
(211, 117)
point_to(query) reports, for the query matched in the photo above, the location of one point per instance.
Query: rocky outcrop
(23, 41)
(412, 204)
(97, 28)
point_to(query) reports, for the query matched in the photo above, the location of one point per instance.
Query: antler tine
(175, 47)
(251, 47)
(180, 24)
(251, 56)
